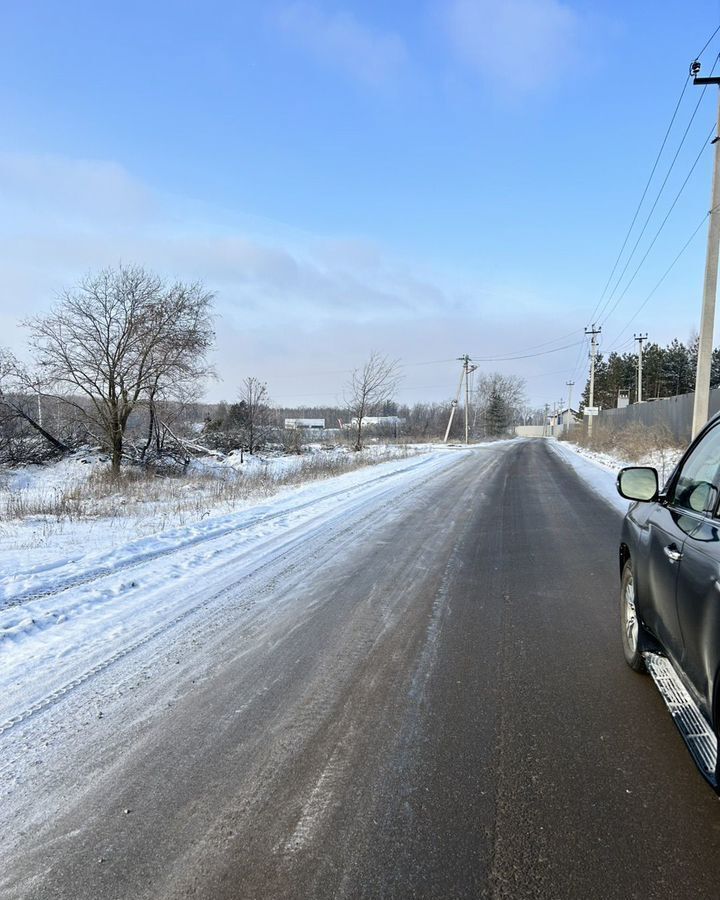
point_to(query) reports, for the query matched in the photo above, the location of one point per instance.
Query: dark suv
(670, 595)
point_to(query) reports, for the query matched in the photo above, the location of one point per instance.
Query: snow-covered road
(407, 681)
(63, 623)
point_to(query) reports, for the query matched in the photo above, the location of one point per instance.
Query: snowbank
(600, 469)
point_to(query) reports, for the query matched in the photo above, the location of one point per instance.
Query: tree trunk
(151, 429)
(116, 438)
(58, 444)
(358, 442)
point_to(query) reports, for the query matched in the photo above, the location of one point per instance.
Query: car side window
(696, 487)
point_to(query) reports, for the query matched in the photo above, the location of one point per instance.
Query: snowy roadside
(65, 619)
(54, 511)
(600, 469)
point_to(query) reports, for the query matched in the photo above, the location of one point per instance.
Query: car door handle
(672, 553)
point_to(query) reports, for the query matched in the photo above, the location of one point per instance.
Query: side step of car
(696, 732)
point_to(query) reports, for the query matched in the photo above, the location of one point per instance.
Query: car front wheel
(631, 627)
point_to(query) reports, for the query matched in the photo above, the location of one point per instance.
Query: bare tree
(121, 338)
(369, 387)
(255, 412)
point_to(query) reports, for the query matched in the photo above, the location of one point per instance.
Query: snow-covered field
(58, 511)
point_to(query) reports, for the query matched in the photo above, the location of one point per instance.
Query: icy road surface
(410, 686)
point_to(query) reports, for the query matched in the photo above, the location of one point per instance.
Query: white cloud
(276, 296)
(71, 189)
(294, 310)
(523, 44)
(340, 40)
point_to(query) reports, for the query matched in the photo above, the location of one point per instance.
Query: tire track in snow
(194, 540)
(291, 547)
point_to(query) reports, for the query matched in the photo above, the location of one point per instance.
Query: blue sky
(420, 178)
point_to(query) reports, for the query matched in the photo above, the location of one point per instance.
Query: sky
(421, 178)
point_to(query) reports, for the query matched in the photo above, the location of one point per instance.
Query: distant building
(379, 421)
(310, 424)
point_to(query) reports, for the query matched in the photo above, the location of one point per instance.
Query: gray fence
(674, 413)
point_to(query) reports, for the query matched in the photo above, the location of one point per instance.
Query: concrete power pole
(640, 338)
(594, 332)
(569, 386)
(468, 369)
(454, 405)
(707, 320)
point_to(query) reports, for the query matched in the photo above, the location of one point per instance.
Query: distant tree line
(667, 372)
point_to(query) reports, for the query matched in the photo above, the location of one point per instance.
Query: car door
(698, 605)
(691, 547)
(667, 529)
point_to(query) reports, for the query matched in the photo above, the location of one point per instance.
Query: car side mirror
(638, 483)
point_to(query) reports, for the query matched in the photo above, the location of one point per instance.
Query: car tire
(632, 630)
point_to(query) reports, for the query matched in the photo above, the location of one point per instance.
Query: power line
(525, 355)
(707, 43)
(578, 360)
(560, 337)
(610, 296)
(661, 280)
(642, 198)
(662, 225)
(511, 355)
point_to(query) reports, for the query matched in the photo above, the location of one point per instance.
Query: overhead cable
(707, 43)
(612, 293)
(525, 355)
(642, 198)
(662, 225)
(662, 279)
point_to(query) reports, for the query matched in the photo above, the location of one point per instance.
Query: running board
(691, 724)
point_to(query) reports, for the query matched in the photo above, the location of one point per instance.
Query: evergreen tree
(497, 415)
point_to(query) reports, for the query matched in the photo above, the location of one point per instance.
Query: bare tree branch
(370, 386)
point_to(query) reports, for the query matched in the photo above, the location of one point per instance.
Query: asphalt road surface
(427, 700)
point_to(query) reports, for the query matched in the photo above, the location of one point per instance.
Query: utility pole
(455, 402)
(467, 369)
(707, 319)
(594, 332)
(545, 420)
(569, 386)
(640, 338)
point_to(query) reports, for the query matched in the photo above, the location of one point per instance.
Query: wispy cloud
(340, 40)
(525, 45)
(291, 308)
(71, 189)
(60, 218)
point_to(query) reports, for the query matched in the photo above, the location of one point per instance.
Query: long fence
(675, 413)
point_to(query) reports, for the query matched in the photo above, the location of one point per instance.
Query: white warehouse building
(311, 424)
